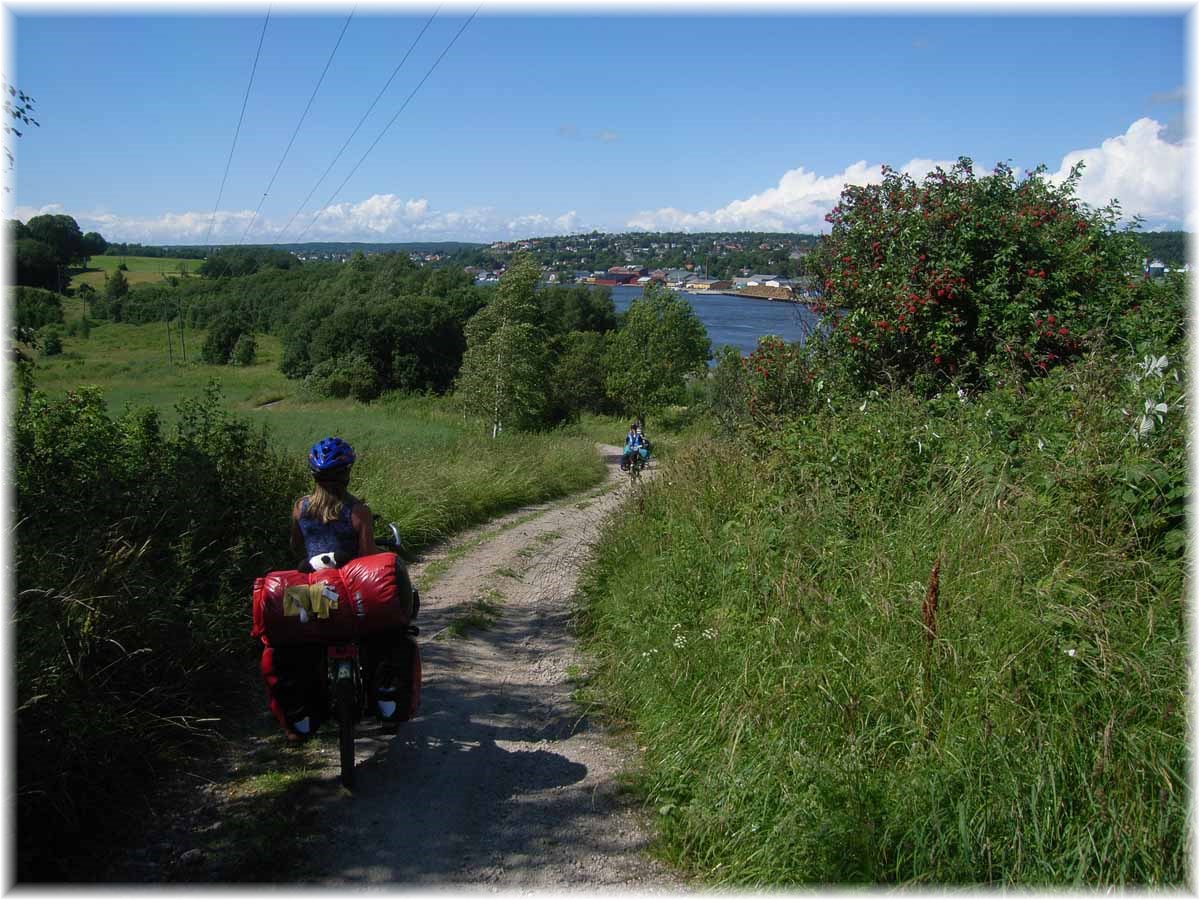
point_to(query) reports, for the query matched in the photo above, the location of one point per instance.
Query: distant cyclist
(635, 442)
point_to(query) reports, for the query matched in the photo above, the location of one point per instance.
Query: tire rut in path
(500, 780)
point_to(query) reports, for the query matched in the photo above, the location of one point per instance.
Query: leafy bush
(52, 341)
(223, 336)
(135, 547)
(244, 351)
(348, 375)
(36, 308)
(971, 278)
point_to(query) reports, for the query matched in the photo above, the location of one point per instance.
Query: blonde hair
(328, 496)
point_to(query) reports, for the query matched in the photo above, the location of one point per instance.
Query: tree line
(383, 323)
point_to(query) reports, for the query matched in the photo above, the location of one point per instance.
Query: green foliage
(660, 343)
(223, 336)
(974, 278)
(578, 308)
(759, 625)
(1169, 247)
(116, 286)
(61, 234)
(501, 376)
(51, 341)
(80, 328)
(407, 322)
(135, 545)
(348, 375)
(244, 351)
(576, 379)
(93, 244)
(37, 265)
(36, 308)
(235, 262)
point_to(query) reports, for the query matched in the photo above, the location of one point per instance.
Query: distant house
(1155, 268)
(708, 284)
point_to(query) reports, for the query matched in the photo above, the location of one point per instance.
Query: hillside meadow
(421, 463)
(140, 270)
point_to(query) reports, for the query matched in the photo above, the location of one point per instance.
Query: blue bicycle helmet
(330, 453)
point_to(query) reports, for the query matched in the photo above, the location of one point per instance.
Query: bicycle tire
(344, 698)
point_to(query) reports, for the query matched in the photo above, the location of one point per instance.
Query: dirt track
(500, 781)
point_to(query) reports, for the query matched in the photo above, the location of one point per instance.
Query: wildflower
(710, 634)
(680, 641)
(1070, 652)
(1041, 444)
(1153, 366)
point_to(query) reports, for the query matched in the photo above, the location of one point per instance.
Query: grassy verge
(817, 707)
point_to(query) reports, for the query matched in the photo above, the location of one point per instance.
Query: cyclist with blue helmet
(331, 526)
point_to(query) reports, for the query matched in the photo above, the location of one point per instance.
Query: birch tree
(502, 376)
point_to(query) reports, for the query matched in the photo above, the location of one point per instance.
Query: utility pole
(182, 348)
(170, 354)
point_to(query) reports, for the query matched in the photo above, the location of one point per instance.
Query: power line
(237, 131)
(436, 62)
(287, 150)
(382, 91)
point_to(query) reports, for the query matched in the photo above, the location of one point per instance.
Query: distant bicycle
(636, 464)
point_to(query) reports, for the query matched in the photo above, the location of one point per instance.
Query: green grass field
(141, 269)
(422, 464)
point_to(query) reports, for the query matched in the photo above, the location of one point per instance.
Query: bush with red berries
(972, 279)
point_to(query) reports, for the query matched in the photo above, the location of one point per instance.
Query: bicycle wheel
(344, 697)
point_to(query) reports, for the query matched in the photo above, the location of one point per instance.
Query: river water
(739, 321)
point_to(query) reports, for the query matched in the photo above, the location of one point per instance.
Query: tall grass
(759, 626)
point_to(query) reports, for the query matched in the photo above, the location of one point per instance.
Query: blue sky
(542, 123)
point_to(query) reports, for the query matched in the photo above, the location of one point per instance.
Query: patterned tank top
(328, 537)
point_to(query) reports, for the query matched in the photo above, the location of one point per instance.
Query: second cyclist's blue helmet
(329, 454)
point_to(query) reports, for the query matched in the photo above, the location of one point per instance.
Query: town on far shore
(764, 267)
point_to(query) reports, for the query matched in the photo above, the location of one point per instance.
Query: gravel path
(500, 782)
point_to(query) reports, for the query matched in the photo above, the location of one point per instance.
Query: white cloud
(1147, 174)
(607, 136)
(798, 203)
(1141, 168)
(380, 217)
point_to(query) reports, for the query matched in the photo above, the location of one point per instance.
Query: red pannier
(366, 595)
